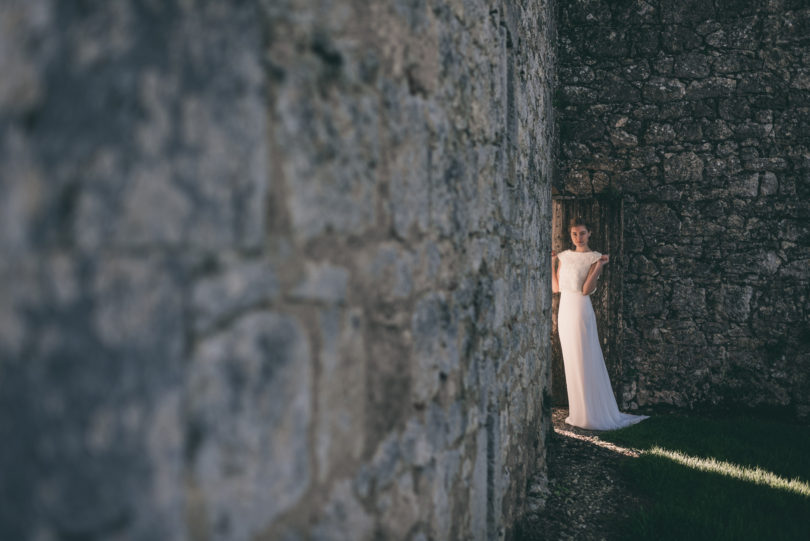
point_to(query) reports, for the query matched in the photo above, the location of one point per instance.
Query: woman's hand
(594, 273)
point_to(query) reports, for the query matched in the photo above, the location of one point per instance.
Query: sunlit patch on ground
(595, 440)
(754, 475)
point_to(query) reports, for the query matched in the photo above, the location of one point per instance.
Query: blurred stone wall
(273, 270)
(697, 115)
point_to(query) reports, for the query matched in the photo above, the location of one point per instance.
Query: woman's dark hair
(578, 221)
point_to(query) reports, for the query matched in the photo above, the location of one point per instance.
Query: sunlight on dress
(591, 403)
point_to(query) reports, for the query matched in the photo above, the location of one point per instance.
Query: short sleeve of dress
(595, 257)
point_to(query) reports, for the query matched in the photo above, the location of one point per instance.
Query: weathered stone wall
(697, 114)
(273, 270)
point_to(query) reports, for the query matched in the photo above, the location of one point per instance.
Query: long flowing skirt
(591, 403)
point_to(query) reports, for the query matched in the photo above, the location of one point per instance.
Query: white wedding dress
(591, 403)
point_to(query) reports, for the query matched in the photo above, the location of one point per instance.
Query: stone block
(730, 62)
(118, 325)
(484, 251)
(768, 184)
(136, 303)
(26, 195)
(240, 286)
(622, 139)
(24, 25)
(718, 131)
(744, 185)
(577, 95)
(329, 184)
(577, 130)
(589, 12)
(616, 89)
(685, 12)
(449, 176)
(659, 133)
(658, 89)
(686, 167)
(399, 507)
(575, 74)
(605, 41)
(410, 173)
(801, 79)
(737, 301)
(343, 517)
(249, 400)
(501, 302)
(766, 164)
(796, 269)
(688, 130)
(712, 87)
(138, 192)
(416, 447)
(678, 39)
(391, 272)
(478, 488)
(632, 181)
(578, 182)
(689, 298)
(649, 300)
(437, 482)
(639, 71)
(692, 66)
(647, 41)
(434, 328)
(340, 419)
(322, 282)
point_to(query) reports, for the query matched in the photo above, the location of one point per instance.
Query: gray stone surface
(249, 404)
(339, 436)
(239, 286)
(275, 270)
(322, 282)
(344, 517)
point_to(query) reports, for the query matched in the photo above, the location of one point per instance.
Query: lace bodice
(574, 267)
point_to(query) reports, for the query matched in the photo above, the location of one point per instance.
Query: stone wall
(273, 270)
(697, 115)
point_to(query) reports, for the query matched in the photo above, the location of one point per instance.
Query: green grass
(730, 478)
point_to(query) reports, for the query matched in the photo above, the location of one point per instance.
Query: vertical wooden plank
(559, 394)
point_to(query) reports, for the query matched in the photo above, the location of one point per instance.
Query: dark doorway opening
(605, 216)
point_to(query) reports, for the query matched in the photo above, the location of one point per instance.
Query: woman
(591, 403)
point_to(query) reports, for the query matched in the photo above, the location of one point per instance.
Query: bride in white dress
(591, 403)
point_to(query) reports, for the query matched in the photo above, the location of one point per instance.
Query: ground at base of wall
(586, 496)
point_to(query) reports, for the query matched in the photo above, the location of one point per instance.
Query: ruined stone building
(279, 269)
(688, 123)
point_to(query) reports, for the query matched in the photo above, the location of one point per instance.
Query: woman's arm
(555, 269)
(593, 275)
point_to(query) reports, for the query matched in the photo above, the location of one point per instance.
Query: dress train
(590, 397)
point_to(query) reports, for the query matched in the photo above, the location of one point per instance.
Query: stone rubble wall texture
(697, 115)
(274, 270)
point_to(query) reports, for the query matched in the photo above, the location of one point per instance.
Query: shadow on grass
(726, 478)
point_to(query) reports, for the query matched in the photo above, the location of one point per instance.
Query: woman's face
(580, 236)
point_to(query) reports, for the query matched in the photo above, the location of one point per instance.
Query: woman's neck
(586, 249)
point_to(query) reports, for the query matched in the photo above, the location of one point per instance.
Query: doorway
(604, 214)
